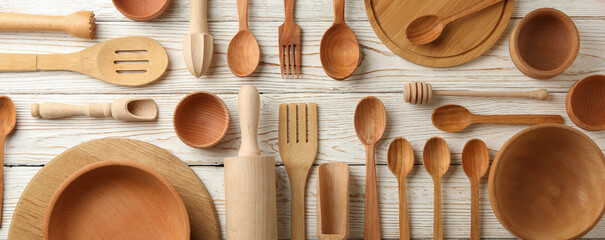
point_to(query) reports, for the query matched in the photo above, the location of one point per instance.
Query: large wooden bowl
(548, 182)
(585, 103)
(116, 200)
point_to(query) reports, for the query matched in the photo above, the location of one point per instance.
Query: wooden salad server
(123, 109)
(198, 45)
(333, 201)
(8, 120)
(80, 24)
(128, 61)
(250, 203)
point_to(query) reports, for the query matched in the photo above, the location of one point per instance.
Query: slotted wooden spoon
(128, 61)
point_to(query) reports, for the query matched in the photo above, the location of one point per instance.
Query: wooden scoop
(333, 201)
(198, 45)
(8, 120)
(422, 93)
(128, 61)
(123, 109)
(80, 24)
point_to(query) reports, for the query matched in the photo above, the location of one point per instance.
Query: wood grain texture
(80, 24)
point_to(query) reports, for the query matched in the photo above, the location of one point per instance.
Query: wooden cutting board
(29, 214)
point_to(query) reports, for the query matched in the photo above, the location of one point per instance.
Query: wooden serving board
(29, 214)
(460, 42)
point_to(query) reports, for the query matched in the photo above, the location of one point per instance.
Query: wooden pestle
(124, 109)
(80, 24)
(422, 93)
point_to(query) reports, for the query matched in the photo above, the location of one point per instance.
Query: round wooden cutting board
(29, 214)
(460, 42)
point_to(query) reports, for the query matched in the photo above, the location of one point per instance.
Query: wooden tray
(460, 42)
(28, 218)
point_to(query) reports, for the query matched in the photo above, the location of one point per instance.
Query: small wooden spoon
(400, 159)
(436, 161)
(370, 123)
(339, 49)
(333, 201)
(8, 119)
(428, 28)
(454, 118)
(243, 54)
(475, 162)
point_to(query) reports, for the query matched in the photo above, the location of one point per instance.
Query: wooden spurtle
(80, 24)
(422, 93)
(436, 160)
(198, 45)
(333, 201)
(8, 120)
(123, 109)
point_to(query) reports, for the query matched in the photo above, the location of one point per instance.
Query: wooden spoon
(436, 161)
(339, 49)
(8, 119)
(198, 45)
(454, 118)
(370, 123)
(243, 54)
(428, 28)
(333, 201)
(400, 159)
(475, 162)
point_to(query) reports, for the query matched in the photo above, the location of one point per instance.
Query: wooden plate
(28, 218)
(460, 42)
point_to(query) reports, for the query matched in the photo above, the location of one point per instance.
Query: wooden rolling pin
(80, 24)
(123, 109)
(250, 204)
(422, 93)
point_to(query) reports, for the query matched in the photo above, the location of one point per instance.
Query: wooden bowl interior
(548, 182)
(586, 103)
(201, 120)
(141, 10)
(105, 199)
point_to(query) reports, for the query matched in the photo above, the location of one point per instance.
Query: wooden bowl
(548, 182)
(201, 120)
(116, 200)
(585, 103)
(544, 43)
(142, 10)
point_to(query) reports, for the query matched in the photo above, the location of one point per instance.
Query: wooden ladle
(454, 118)
(428, 28)
(8, 119)
(436, 159)
(370, 123)
(475, 162)
(400, 159)
(333, 201)
(339, 49)
(243, 54)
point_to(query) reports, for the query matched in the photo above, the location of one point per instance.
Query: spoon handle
(517, 119)
(248, 107)
(404, 224)
(2, 139)
(198, 22)
(475, 231)
(371, 226)
(470, 10)
(437, 227)
(339, 11)
(242, 14)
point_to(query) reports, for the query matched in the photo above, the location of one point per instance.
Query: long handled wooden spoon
(8, 119)
(370, 123)
(333, 201)
(339, 50)
(243, 53)
(80, 24)
(422, 93)
(400, 159)
(436, 160)
(198, 45)
(454, 118)
(475, 162)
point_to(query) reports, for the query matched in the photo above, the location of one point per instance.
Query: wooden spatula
(128, 61)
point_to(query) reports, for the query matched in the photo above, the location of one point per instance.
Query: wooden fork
(297, 148)
(289, 43)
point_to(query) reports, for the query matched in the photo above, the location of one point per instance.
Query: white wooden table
(382, 74)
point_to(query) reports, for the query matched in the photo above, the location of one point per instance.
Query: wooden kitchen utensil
(454, 118)
(339, 50)
(123, 109)
(128, 61)
(8, 120)
(243, 53)
(250, 205)
(297, 148)
(584, 103)
(422, 93)
(436, 160)
(428, 28)
(475, 162)
(370, 123)
(28, 218)
(544, 43)
(198, 45)
(290, 48)
(116, 200)
(80, 24)
(400, 159)
(141, 10)
(333, 201)
(201, 119)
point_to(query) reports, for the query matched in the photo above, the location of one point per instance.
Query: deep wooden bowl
(201, 120)
(548, 182)
(142, 10)
(585, 103)
(116, 200)
(544, 43)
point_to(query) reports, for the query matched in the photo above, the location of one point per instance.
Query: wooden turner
(128, 61)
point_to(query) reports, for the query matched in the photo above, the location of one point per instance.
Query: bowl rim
(226, 124)
(491, 185)
(144, 18)
(571, 112)
(113, 163)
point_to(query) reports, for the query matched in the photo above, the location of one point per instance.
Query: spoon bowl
(8, 116)
(451, 118)
(370, 120)
(201, 120)
(400, 157)
(339, 51)
(424, 30)
(475, 159)
(243, 54)
(436, 157)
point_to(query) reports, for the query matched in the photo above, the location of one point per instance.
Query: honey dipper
(422, 93)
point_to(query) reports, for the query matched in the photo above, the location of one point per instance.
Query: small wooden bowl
(116, 200)
(548, 182)
(585, 105)
(544, 43)
(142, 10)
(201, 120)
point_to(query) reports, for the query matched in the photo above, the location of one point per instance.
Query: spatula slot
(130, 71)
(130, 61)
(130, 51)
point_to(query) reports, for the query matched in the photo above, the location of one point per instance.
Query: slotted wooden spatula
(128, 61)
